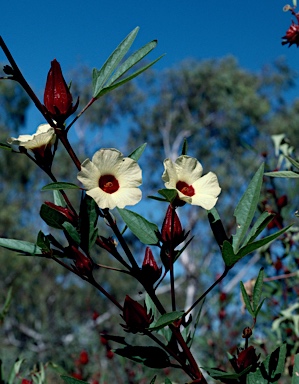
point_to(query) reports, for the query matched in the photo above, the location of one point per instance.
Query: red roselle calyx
(135, 315)
(66, 212)
(150, 270)
(58, 99)
(172, 232)
(82, 263)
(244, 359)
(292, 34)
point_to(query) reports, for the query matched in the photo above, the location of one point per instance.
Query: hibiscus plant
(111, 181)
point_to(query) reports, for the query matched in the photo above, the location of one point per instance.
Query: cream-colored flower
(44, 136)
(185, 175)
(111, 179)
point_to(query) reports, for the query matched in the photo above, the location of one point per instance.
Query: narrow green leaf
(100, 77)
(260, 243)
(246, 207)
(15, 371)
(152, 357)
(20, 246)
(185, 147)
(132, 60)
(169, 194)
(228, 254)
(257, 290)
(157, 198)
(261, 223)
(167, 381)
(88, 219)
(166, 319)
(43, 242)
(292, 161)
(135, 155)
(126, 79)
(288, 174)
(5, 146)
(219, 374)
(153, 380)
(246, 299)
(259, 307)
(72, 232)
(142, 228)
(59, 185)
(295, 378)
(72, 380)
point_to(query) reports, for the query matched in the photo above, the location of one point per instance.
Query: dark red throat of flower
(108, 183)
(186, 189)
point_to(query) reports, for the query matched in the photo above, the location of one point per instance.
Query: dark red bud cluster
(70, 217)
(172, 231)
(150, 270)
(245, 358)
(292, 35)
(82, 263)
(135, 315)
(58, 99)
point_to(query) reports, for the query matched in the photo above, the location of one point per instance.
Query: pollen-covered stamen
(186, 189)
(108, 183)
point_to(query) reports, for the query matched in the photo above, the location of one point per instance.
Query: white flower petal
(204, 201)
(207, 185)
(126, 196)
(44, 135)
(107, 160)
(89, 175)
(103, 199)
(169, 175)
(188, 169)
(129, 173)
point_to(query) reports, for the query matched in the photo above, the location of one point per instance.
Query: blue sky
(75, 32)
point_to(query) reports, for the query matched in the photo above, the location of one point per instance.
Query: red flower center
(108, 183)
(186, 189)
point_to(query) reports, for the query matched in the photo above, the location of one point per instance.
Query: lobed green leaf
(99, 77)
(228, 254)
(261, 223)
(142, 228)
(246, 299)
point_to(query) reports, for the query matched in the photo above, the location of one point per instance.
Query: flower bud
(57, 97)
(244, 359)
(150, 270)
(135, 315)
(84, 358)
(66, 212)
(172, 231)
(82, 263)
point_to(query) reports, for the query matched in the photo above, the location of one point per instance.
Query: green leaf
(166, 319)
(59, 199)
(6, 305)
(259, 307)
(219, 375)
(142, 228)
(246, 299)
(167, 381)
(152, 357)
(59, 185)
(271, 369)
(5, 146)
(72, 232)
(128, 78)
(100, 77)
(185, 147)
(288, 174)
(153, 380)
(261, 223)
(228, 254)
(169, 194)
(292, 161)
(20, 246)
(72, 380)
(43, 242)
(246, 207)
(257, 290)
(88, 219)
(135, 155)
(295, 378)
(132, 60)
(15, 371)
(52, 217)
(260, 243)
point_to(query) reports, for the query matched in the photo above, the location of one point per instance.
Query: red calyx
(135, 315)
(150, 270)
